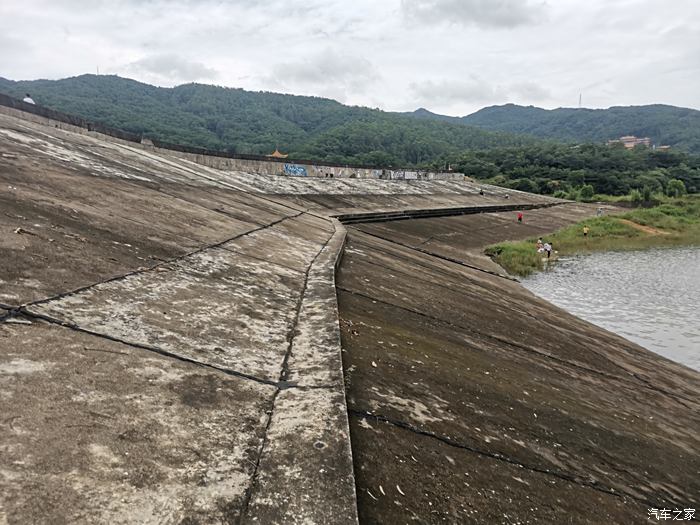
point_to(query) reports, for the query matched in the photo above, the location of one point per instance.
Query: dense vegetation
(240, 121)
(672, 222)
(665, 125)
(581, 171)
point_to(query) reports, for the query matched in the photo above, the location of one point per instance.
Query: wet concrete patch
(96, 431)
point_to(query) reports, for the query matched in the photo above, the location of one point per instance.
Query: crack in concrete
(284, 374)
(673, 396)
(426, 280)
(662, 391)
(72, 326)
(163, 263)
(500, 457)
(248, 496)
(280, 385)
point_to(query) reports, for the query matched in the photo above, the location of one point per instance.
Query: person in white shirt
(28, 99)
(548, 249)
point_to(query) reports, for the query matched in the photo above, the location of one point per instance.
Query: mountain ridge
(665, 124)
(240, 121)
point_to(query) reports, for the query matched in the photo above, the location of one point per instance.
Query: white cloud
(473, 90)
(477, 91)
(452, 56)
(171, 68)
(486, 13)
(336, 75)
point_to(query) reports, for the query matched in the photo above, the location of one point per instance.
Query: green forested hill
(670, 125)
(241, 121)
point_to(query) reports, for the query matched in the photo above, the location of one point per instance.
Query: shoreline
(672, 224)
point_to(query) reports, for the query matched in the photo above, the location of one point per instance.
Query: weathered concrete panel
(215, 307)
(283, 244)
(305, 474)
(99, 432)
(315, 359)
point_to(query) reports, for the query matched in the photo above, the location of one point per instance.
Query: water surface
(651, 297)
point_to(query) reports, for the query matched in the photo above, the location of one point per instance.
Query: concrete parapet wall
(307, 168)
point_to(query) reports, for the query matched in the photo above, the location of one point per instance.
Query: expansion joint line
(72, 326)
(438, 256)
(434, 269)
(279, 385)
(676, 397)
(665, 392)
(163, 263)
(513, 344)
(284, 375)
(571, 478)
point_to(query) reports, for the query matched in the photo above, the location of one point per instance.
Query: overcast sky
(450, 56)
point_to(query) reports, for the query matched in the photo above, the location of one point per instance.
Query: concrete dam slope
(187, 343)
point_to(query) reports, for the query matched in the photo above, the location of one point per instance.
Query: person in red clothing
(520, 216)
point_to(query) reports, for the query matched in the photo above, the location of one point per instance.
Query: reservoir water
(651, 297)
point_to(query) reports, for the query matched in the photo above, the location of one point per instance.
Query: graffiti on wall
(295, 170)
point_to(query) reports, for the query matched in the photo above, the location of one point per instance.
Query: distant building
(630, 141)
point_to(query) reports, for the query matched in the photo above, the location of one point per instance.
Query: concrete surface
(100, 432)
(209, 310)
(170, 352)
(485, 404)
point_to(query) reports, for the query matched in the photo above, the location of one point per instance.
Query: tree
(675, 188)
(587, 192)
